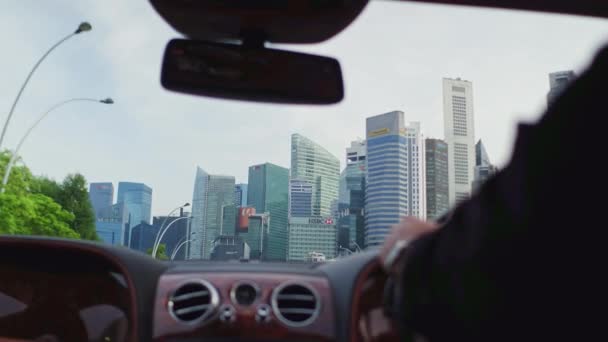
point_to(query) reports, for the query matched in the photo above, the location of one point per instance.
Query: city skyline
(149, 133)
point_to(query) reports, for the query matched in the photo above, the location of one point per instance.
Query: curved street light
(182, 240)
(15, 155)
(83, 27)
(345, 249)
(155, 246)
(155, 249)
(174, 254)
(354, 243)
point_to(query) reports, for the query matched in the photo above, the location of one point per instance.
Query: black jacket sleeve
(523, 258)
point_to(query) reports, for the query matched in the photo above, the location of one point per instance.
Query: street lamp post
(163, 225)
(356, 245)
(174, 254)
(155, 249)
(345, 249)
(15, 155)
(182, 240)
(83, 27)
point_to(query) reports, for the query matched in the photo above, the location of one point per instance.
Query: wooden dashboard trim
(100, 252)
(245, 326)
(368, 322)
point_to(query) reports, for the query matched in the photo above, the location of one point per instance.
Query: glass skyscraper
(137, 198)
(112, 224)
(212, 199)
(267, 192)
(314, 164)
(240, 195)
(356, 156)
(101, 195)
(300, 198)
(437, 184)
(395, 184)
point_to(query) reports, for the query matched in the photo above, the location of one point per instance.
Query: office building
(229, 247)
(240, 195)
(253, 229)
(101, 195)
(177, 228)
(143, 236)
(356, 158)
(558, 82)
(212, 195)
(395, 179)
(112, 224)
(137, 198)
(267, 192)
(437, 183)
(311, 234)
(300, 198)
(459, 133)
(483, 167)
(314, 164)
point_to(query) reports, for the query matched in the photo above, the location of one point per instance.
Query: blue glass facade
(212, 212)
(112, 224)
(143, 236)
(137, 198)
(268, 193)
(101, 196)
(240, 195)
(300, 198)
(386, 197)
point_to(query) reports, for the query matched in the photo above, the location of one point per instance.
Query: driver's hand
(401, 235)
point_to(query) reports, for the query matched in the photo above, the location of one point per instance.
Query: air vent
(295, 304)
(194, 302)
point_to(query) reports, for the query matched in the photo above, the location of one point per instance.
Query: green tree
(161, 252)
(25, 212)
(73, 197)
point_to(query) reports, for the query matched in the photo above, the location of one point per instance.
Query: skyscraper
(212, 195)
(300, 198)
(137, 198)
(311, 235)
(483, 167)
(355, 187)
(437, 185)
(255, 234)
(112, 224)
(314, 164)
(240, 195)
(101, 195)
(558, 81)
(459, 133)
(267, 192)
(395, 184)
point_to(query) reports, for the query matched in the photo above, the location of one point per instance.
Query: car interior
(84, 291)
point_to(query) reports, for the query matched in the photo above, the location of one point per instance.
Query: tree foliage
(161, 252)
(73, 197)
(27, 212)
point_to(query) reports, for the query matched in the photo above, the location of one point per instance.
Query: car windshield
(98, 150)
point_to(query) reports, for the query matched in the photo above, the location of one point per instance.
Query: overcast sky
(393, 58)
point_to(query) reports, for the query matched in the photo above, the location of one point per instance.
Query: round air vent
(194, 302)
(295, 304)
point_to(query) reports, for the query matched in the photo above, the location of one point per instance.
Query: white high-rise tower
(459, 133)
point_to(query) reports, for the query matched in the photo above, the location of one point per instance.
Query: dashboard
(64, 290)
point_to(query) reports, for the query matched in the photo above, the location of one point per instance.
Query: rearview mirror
(253, 74)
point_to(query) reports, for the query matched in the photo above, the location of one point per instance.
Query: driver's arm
(522, 257)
